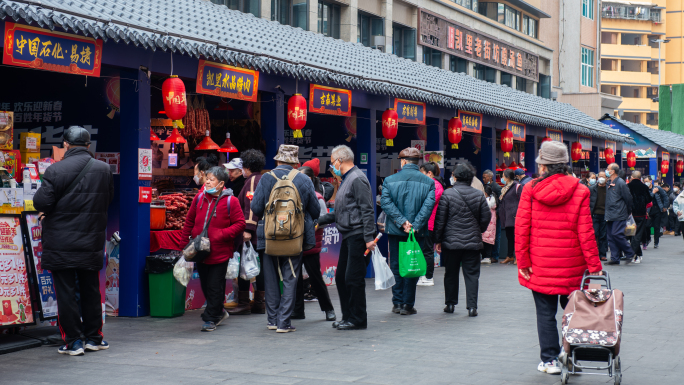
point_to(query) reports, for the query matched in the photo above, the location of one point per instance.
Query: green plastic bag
(411, 259)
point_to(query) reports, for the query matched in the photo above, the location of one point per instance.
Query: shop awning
(203, 29)
(670, 141)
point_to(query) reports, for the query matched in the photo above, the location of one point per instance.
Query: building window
(621, 11)
(652, 119)
(369, 26)
(520, 84)
(587, 67)
(404, 42)
(502, 13)
(485, 73)
(470, 4)
(530, 26)
(246, 6)
(456, 64)
(507, 79)
(655, 17)
(329, 19)
(544, 86)
(588, 9)
(290, 12)
(432, 57)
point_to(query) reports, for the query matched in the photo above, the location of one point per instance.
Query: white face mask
(452, 180)
(196, 179)
(602, 180)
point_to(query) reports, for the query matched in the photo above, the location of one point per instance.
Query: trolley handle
(586, 279)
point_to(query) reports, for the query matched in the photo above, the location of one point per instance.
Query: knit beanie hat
(314, 164)
(553, 152)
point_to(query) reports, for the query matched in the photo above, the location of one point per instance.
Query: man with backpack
(286, 200)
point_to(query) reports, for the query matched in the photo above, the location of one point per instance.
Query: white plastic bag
(630, 227)
(182, 271)
(384, 279)
(233, 266)
(249, 266)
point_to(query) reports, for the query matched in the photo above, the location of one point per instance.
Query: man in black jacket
(74, 198)
(354, 217)
(598, 211)
(618, 209)
(641, 196)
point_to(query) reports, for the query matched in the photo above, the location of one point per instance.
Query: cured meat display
(177, 205)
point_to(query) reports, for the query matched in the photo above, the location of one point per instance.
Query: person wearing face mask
(203, 164)
(227, 223)
(508, 208)
(591, 179)
(618, 209)
(598, 211)
(641, 197)
(408, 198)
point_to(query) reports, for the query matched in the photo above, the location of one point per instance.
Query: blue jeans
(404, 290)
(497, 240)
(617, 241)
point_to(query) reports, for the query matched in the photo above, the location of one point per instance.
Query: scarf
(504, 190)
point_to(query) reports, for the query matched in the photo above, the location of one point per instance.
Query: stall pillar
(594, 160)
(653, 167)
(135, 232)
(530, 154)
(272, 124)
(366, 133)
(488, 143)
(669, 178)
(618, 159)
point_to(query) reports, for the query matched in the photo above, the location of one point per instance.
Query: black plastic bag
(157, 264)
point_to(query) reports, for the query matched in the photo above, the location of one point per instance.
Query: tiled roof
(200, 28)
(670, 141)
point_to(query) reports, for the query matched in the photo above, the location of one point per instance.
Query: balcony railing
(611, 11)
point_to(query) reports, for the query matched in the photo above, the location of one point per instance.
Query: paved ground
(432, 347)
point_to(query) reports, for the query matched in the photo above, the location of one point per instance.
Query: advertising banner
(15, 294)
(43, 278)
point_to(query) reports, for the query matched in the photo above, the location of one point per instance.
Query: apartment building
(497, 42)
(573, 32)
(634, 53)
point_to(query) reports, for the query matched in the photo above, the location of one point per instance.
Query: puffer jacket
(74, 226)
(554, 235)
(408, 195)
(678, 205)
(439, 190)
(489, 236)
(223, 229)
(462, 216)
(508, 206)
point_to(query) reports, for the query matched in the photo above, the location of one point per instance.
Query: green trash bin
(167, 295)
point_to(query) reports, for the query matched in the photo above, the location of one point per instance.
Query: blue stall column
(669, 177)
(530, 154)
(653, 167)
(366, 139)
(488, 155)
(135, 217)
(594, 163)
(272, 124)
(434, 128)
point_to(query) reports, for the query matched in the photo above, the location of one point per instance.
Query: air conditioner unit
(378, 40)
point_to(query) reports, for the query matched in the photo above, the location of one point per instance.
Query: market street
(497, 347)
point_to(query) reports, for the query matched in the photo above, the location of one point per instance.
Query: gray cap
(553, 152)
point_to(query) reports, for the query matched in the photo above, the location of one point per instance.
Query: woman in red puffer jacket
(554, 244)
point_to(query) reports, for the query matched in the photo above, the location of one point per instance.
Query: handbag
(199, 248)
(412, 262)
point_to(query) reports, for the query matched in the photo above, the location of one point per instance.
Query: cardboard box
(28, 157)
(30, 141)
(6, 130)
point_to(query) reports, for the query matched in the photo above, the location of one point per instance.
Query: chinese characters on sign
(113, 159)
(455, 39)
(612, 145)
(472, 122)
(556, 135)
(328, 100)
(15, 296)
(585, 141)
(666, 156)
(51, 51)
(227, 81)
(518, 129)
(35, 112)
(144, 164)
(46, 287)
(410, 111)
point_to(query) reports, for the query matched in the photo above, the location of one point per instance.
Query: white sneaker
(637, 259)
(422, 281)
(552, 367)
(429, 282)
(486, 261)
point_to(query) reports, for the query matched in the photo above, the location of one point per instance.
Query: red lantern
(175, 105)
(576, 151)
(664, 167)
(680, 167)
(631, 160)
(296, 114)
(175, 137)
(389, 125)
(207, 144)
(546, 139)
(610, 155)
(455, 132)
(506, 142)
(228, 146)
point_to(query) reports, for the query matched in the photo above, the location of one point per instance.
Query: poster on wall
(434, 156)
(113, 159)
(330, 252)
(15, 294)
(33, 231)
(144, 164)
(6, 130)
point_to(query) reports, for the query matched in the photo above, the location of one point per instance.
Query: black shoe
(408, 310)
(396, 309)
(449, 309)
(350, 326)
(336, 324)
(472, 312)
(655, 246)
(613, 262)
(298, 316)
(330, 315)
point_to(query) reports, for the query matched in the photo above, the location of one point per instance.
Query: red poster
(15, 295)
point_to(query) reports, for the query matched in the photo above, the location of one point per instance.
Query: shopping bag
(384, 279)
(411, 260)
(249, 264)
(630, 228)
(182, 271)
(233, 266)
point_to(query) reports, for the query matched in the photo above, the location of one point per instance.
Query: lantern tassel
(178, 124)
(390, 143)
(454, 146)
(631, 168)
(297, 134)
(507, 154)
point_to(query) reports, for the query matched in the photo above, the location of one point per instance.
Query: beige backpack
(284, 218)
